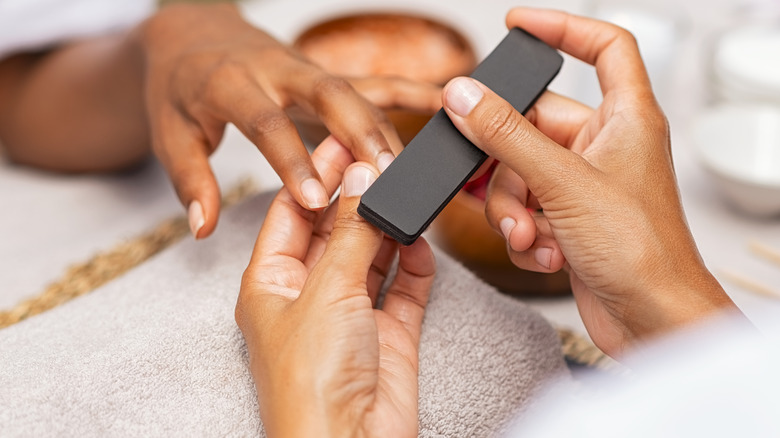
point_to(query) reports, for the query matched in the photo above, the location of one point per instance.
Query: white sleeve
(717, 380)
(27, 25)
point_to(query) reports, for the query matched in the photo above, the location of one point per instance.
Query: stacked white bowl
(738, 139)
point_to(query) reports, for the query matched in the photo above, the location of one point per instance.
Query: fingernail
(543, 256)
(314, 194)
(357, 180)
(195, 216)
(383, 160)
(463, 95)
(507, 224)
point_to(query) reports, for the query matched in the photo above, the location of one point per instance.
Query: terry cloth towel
(157, 352)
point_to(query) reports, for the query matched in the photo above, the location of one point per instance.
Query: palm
(394, 411)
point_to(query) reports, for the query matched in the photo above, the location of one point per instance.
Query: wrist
(293, 407)
(304, 419)
(675, 305)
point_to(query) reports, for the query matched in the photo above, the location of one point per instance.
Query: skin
(316, 343)
(611, 215)
(171, 85)
(610, 208)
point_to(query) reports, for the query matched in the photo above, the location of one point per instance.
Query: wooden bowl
(386, 44)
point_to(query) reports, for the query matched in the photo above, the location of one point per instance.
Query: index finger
(610, 48)
(287, 227)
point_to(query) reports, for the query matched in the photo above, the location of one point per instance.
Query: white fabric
(718, 380)
(27, 25)
(157, 352)
(50, 221)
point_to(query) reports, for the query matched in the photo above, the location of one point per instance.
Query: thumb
(494, 126)
(353, 242)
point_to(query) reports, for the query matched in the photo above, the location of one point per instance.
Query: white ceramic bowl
(746, 66)
(739, 145)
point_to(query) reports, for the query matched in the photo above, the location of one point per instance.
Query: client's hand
(325, 362)
(206, 66)
(605, 182)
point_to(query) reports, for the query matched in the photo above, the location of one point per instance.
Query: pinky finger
(183, 152)
(544, 254)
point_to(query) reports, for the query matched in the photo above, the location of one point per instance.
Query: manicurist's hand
(205, 66)
(325, 361)
(604, 181)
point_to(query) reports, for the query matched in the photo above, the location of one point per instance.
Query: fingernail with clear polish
(314, 194)
(543, 256)
(507, 224)
(463, 95)
(357, 180)
(383, 160)
(195, 216)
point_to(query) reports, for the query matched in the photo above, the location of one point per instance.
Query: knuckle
(223, 74)
(373, 135)
(616, 33)
(499, 125)
(267, 123)
(379, 115)
(625, 36)
(350, 220)
(649, 118)
(226, 71)
(379, 123)
(613, 35)
(327, 86)
(351, 224)
(658, 121)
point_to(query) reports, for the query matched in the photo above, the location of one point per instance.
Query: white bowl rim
(727, 110)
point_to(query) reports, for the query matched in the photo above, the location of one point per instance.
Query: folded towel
(157, 352)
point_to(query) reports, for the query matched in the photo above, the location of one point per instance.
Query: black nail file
(420, 182)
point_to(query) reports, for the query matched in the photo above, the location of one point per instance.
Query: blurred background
(714, 65)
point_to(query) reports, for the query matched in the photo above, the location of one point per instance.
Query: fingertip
(357, 179)
(203, 217)
(506, 225)
(202, 200)
(522, 234)
(313, 194)
(384, 160)
(550, 257)
(422, 253)
(461, 96)
(543, 257)
(190, 173)
(196, 218)
(511, 17)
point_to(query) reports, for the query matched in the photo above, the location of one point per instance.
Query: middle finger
(360, 126)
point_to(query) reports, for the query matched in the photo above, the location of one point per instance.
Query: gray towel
(157, 352)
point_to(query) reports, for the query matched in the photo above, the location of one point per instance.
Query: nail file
(439, 160)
